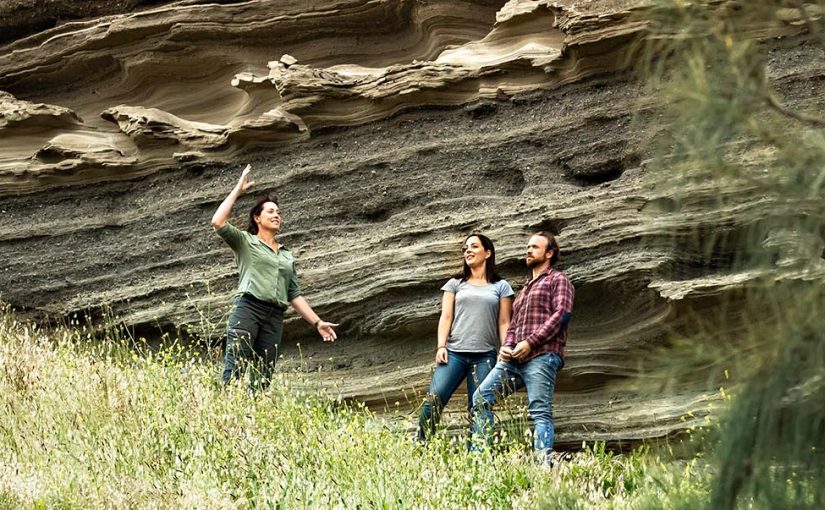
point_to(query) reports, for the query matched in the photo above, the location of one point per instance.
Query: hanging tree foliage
(735, 128)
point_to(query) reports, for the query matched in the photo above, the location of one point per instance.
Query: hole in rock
(504, 178)
(196, 170)
(554, 226)
(49, 155)
(601, 171)
(481, 109)
(375, 214)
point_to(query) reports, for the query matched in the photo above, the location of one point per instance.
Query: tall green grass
(92, 420)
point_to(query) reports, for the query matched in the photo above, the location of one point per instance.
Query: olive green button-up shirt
(267, 274)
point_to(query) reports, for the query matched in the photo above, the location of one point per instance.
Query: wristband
(316, 323)
(441, 347)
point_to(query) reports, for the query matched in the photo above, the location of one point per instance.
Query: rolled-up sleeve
(232, 236)
(292, 289)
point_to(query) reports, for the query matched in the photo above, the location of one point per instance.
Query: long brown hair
(491, 274)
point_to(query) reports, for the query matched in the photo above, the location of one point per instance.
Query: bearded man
(533, 350)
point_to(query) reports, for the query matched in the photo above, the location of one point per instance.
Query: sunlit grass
(90, 420)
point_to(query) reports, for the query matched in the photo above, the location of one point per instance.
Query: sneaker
(544, 458)
(550, 458)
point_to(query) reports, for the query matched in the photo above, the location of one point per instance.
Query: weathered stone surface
(389, 130)
(191, 67)
(19, 18)
(15, 113)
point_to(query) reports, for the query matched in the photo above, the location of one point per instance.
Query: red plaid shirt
(540, 314)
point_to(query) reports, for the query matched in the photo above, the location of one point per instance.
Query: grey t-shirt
(475, 317)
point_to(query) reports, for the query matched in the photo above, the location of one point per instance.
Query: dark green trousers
(253, 337)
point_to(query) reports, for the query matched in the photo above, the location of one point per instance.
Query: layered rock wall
(389, 129)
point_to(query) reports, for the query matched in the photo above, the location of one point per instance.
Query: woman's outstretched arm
(220, 216)
(323, 328)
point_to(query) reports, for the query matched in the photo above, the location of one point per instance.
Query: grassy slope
(111, 426)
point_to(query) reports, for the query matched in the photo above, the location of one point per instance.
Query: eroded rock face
(389, 130)
(190, 73)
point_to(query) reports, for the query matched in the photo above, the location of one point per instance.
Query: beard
(533, 263)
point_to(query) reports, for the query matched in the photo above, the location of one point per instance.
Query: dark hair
(491, 275)
(256, 211)
(551, 244)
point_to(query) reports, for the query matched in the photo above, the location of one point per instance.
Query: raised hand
(222, 213)
(244, 183)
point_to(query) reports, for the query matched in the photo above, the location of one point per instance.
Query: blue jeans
(539, 376)
(473, 366)
(253, 335)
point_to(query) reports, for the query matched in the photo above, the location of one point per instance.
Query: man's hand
(522, 350)
(505, 353)
(325, 330)
(441, 357)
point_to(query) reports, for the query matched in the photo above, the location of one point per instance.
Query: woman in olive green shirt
(267, 284)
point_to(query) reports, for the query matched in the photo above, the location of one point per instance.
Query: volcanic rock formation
(389, 129)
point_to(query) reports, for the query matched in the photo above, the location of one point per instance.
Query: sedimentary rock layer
(188, 80)
(389, 130)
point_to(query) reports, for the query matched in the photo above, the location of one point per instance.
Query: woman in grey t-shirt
(475, 314)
